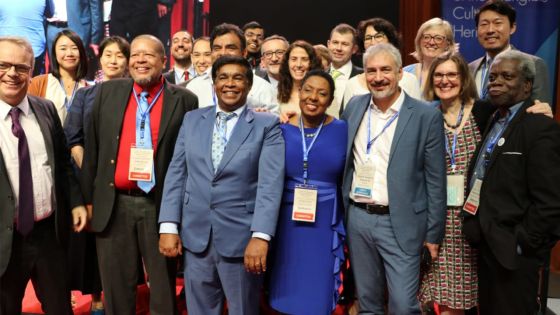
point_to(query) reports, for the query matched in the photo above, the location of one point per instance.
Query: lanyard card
(141, 164)
(455, 190)
(305, 203)
(473, 201)
(363, 180)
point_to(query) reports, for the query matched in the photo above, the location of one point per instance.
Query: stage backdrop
(310, 20)
(537, 29)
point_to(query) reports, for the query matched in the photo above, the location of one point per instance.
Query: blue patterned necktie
(219, 139)
(26, 214)
(144, 137)
(484, 86)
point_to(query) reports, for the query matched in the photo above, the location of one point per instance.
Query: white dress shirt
(261, 94)
(179, 74)
(339, 87)
(40, 168)
(380, 150)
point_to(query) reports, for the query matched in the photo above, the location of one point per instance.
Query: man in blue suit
(394, 186)
(222, 195)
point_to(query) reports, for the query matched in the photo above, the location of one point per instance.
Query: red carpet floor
(32, 306)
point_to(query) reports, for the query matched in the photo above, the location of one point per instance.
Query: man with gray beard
(134, 125)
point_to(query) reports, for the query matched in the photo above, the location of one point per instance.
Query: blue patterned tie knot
(219, 137)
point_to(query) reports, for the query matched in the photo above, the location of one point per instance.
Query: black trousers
(39, 257)
(133, 232)
(503, 291)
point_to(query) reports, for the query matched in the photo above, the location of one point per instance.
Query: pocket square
(512, 153)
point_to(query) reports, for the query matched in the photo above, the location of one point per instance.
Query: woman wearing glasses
(434, 37)
(298, 60)
(451, 281)
(372, 32)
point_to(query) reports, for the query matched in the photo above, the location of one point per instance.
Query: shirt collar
(395, 107)
(152, 91)
(487, 57)
(345, 69)
(23, 106)
(237, 111)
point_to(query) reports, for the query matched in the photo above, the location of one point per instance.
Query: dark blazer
(170, 76)
(85, 18)
(79, 115)
(98, 170)
(66, 192)
(520, 195)
(355, 71)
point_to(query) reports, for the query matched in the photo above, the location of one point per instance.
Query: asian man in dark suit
(40, 199)
(516, 220)
(133, 122)
(222, 195)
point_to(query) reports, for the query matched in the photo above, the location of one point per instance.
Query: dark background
(303, 19)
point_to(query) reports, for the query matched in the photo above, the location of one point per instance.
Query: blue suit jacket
(241, 197)
(85, 18)
(416, 174)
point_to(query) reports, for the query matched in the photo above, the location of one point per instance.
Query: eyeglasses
(377, 37)
(20, 68)
(438, 39)
(279, 53)
(451, 76)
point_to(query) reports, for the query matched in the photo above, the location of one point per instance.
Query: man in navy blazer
(222, 195)
(393, 188)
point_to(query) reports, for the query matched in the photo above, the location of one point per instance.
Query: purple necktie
(26, 216)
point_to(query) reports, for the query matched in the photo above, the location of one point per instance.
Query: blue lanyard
(371, 141)
(306, 149)
(454, 143)
(492, 143)
(68, 102)
(147, 112)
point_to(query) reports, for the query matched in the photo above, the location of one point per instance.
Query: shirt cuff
(263, 236)
(168, 228)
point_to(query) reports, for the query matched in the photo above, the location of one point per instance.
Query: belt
(58, 23)
(135, 193)
(371, 208)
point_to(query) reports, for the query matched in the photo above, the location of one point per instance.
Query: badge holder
(305, 203)
(141, 164)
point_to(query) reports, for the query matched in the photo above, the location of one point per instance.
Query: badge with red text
(473, 200)
(305, 203)
(141, 164)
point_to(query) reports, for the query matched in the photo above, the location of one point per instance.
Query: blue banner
(536, 34)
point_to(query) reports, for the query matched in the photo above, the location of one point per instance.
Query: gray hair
(23, 43)
(383, 48)
(525, 64)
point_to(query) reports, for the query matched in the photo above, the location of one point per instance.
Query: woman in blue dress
(307, 256)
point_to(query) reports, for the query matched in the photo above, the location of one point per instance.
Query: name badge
(455, 190)
(141, 164)
(305, 203)
(473, 201)
(363, 180)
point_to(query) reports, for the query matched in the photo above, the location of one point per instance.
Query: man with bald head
(134, 126)
(40, 196)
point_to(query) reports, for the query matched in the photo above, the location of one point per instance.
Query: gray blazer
(541, 86)
(241, 197)
(416, 174)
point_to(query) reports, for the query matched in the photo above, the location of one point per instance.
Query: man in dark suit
(222, 195)
(181, 49)
(40, 196)
(342, 45)
(495, 24)
(516, 220)
(134, 125)
(393, 187)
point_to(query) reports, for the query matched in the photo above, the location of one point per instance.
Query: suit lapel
(207, 123)
(511, 126)
(240, 132)
(46, 129)
(404, 116)
(355, 122)
(117, 104)
(170, 102)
